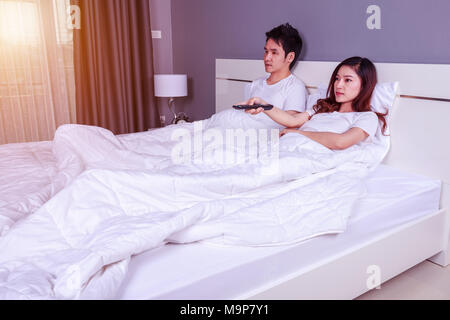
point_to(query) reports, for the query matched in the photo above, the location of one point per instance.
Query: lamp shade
(170, 85)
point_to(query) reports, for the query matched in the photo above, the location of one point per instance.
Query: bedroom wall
(411, 31)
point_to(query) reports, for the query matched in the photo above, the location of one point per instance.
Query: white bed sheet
(204, 271)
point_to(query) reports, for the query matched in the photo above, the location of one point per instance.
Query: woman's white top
(340, 122)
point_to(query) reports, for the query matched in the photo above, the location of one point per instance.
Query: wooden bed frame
(419, 128)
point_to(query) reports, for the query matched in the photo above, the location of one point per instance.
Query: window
(37, 89)
(19, 22)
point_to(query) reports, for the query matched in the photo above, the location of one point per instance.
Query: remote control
(254, 106)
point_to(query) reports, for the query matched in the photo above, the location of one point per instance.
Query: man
(280, 88)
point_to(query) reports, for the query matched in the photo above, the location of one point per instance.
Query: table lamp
(172, 86)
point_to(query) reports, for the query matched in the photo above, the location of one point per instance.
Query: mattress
(205, 271)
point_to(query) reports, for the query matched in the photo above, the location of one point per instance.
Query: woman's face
(347, 85)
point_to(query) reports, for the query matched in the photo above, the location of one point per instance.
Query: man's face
(275, 58)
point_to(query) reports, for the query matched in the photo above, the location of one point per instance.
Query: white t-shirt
(287, 94)
(340, 122)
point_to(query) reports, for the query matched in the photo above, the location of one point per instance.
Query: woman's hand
(254, 111)
(288, 119)
(252, 101)
(287, 130)
(256, 100)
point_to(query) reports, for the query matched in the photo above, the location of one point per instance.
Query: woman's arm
(291, 119)
(333, 141)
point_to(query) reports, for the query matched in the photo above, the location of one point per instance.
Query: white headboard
(419, 123)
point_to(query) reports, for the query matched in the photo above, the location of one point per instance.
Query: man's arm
(331, 140)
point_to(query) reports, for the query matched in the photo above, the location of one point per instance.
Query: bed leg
(443, 257)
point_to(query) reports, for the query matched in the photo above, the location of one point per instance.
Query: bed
(401, 222)
(412, 185)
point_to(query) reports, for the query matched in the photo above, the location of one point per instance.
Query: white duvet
(119, 196)
(26, 180)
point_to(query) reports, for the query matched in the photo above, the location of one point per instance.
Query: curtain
(113, 59)
(37, 89)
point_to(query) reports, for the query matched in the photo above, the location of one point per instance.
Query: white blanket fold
(120, 196)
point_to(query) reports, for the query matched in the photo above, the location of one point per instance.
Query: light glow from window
(19, 23)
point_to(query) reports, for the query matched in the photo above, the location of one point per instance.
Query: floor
(425, 281)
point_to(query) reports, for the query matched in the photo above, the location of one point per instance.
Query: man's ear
(290, 56)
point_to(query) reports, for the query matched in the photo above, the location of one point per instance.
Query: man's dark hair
(289, 38)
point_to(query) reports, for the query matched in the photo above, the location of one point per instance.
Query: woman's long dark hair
(367, 72)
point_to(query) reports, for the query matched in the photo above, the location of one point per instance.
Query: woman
(344, 118)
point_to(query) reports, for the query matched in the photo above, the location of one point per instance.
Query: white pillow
(321, 93)
(383, 96)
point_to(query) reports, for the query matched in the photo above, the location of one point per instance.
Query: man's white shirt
(287, 94)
